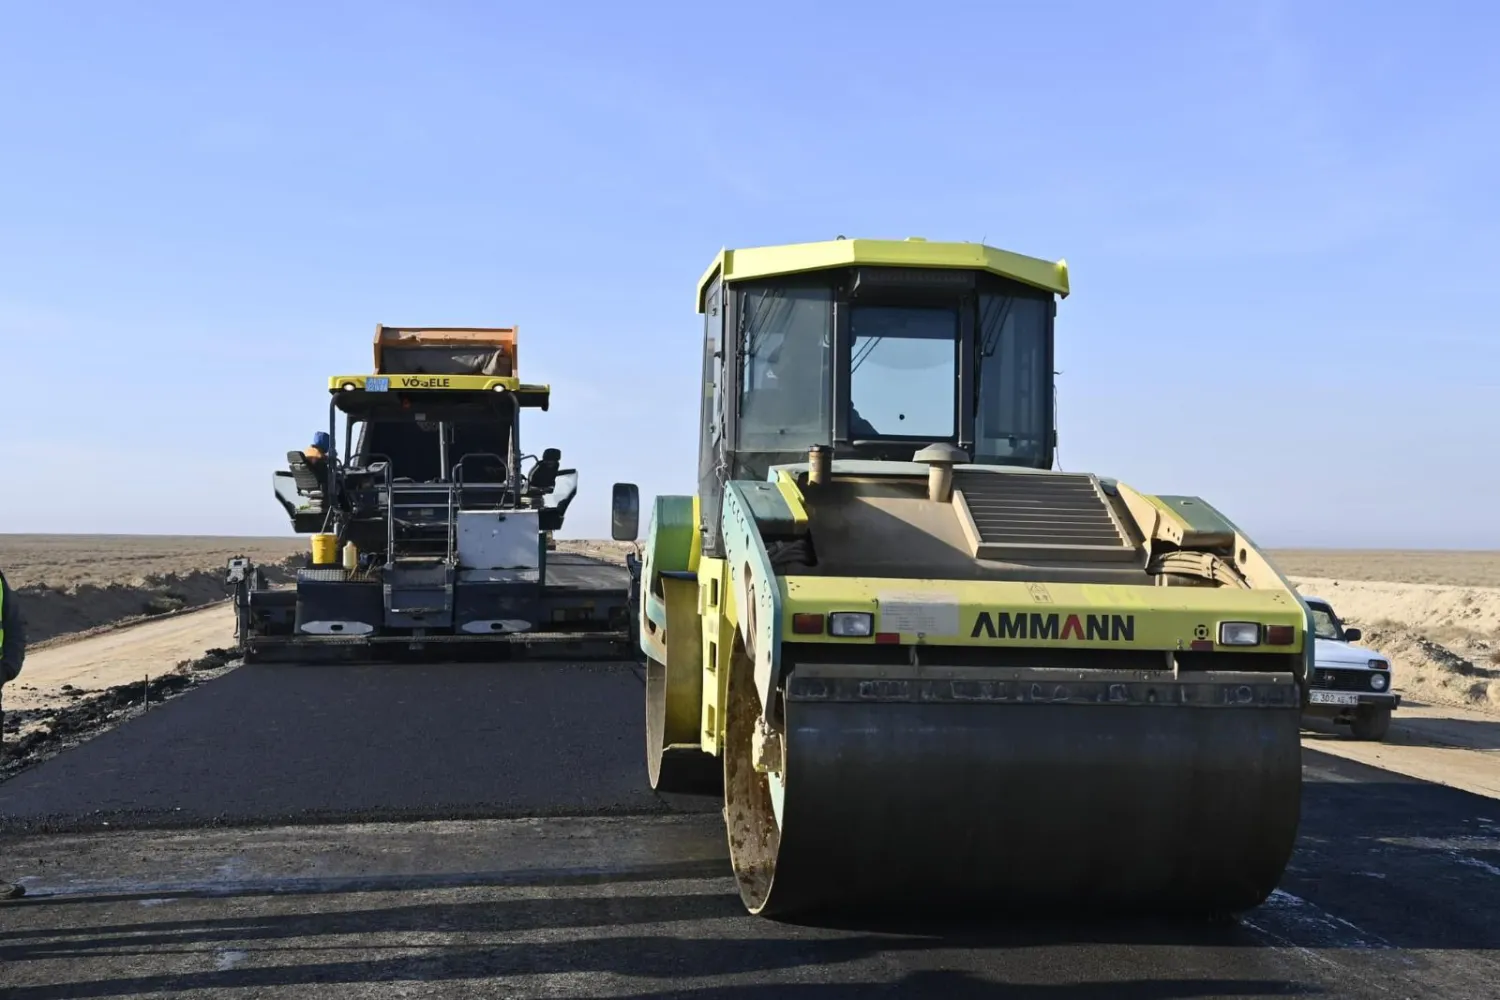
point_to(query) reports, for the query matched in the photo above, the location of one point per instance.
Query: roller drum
(1020, 789)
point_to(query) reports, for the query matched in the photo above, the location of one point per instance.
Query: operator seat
(544, 473)
(309, 480)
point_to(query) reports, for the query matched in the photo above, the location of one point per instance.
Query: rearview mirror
(1352, 635)
(625, 512)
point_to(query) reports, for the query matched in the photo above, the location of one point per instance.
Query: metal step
(1045, 514)
(419, 596)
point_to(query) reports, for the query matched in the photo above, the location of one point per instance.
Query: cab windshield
(903, 372)
(890, 371)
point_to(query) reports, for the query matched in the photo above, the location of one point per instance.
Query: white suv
(1349, 684)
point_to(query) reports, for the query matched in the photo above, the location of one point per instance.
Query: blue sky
(1279, 219)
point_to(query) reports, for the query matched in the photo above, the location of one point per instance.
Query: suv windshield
(903, 372)
(1325, 626)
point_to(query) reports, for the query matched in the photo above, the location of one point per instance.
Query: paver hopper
(430, 531)
(922, 665)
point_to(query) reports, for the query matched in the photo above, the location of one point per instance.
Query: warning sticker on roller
(930, 614)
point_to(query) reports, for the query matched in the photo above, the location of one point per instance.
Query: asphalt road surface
(571, 879)
(288, 743)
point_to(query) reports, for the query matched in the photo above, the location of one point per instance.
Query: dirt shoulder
(1443, 744)
(57, 676)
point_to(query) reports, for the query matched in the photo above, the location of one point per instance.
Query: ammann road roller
(921, 664)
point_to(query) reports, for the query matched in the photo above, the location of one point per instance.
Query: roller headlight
(1379, 681)
(1239, 633)
(851, 624)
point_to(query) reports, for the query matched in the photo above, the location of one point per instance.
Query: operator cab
(464, 439)
(879, 362)
(875, 350)
(407, 449)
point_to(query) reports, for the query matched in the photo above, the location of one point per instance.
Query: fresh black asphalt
(290, 743)
(1394, 890)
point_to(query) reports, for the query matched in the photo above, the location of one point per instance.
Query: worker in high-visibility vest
(12, 653)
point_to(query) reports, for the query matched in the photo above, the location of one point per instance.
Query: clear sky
(1279, 219)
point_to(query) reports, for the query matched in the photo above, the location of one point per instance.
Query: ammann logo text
(1030, 625)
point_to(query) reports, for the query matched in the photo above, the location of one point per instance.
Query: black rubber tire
(687, 772)
(1371, 722)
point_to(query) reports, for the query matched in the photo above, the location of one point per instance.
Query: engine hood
(1332, 653)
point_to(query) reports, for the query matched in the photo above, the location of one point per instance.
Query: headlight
(1378, 681)
(1239, 633)
(851, 624)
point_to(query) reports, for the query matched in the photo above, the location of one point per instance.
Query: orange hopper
(441, 350)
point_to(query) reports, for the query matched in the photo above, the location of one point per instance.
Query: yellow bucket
(324, 549)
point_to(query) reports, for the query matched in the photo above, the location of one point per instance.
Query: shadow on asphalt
(720, 941)
(479, 966)
(348, 885)
(941, 984)
(1374, 854)
(1383, 863)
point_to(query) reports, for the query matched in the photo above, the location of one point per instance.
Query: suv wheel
(1371, 722)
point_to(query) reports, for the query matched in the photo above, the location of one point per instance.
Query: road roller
(923, 666)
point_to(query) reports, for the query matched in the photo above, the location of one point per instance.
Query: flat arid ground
(1454, 568)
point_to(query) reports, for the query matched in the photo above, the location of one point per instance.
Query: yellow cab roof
(796, 258)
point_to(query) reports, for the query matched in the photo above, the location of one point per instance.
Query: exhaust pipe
(819, 459)
(940, 460)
